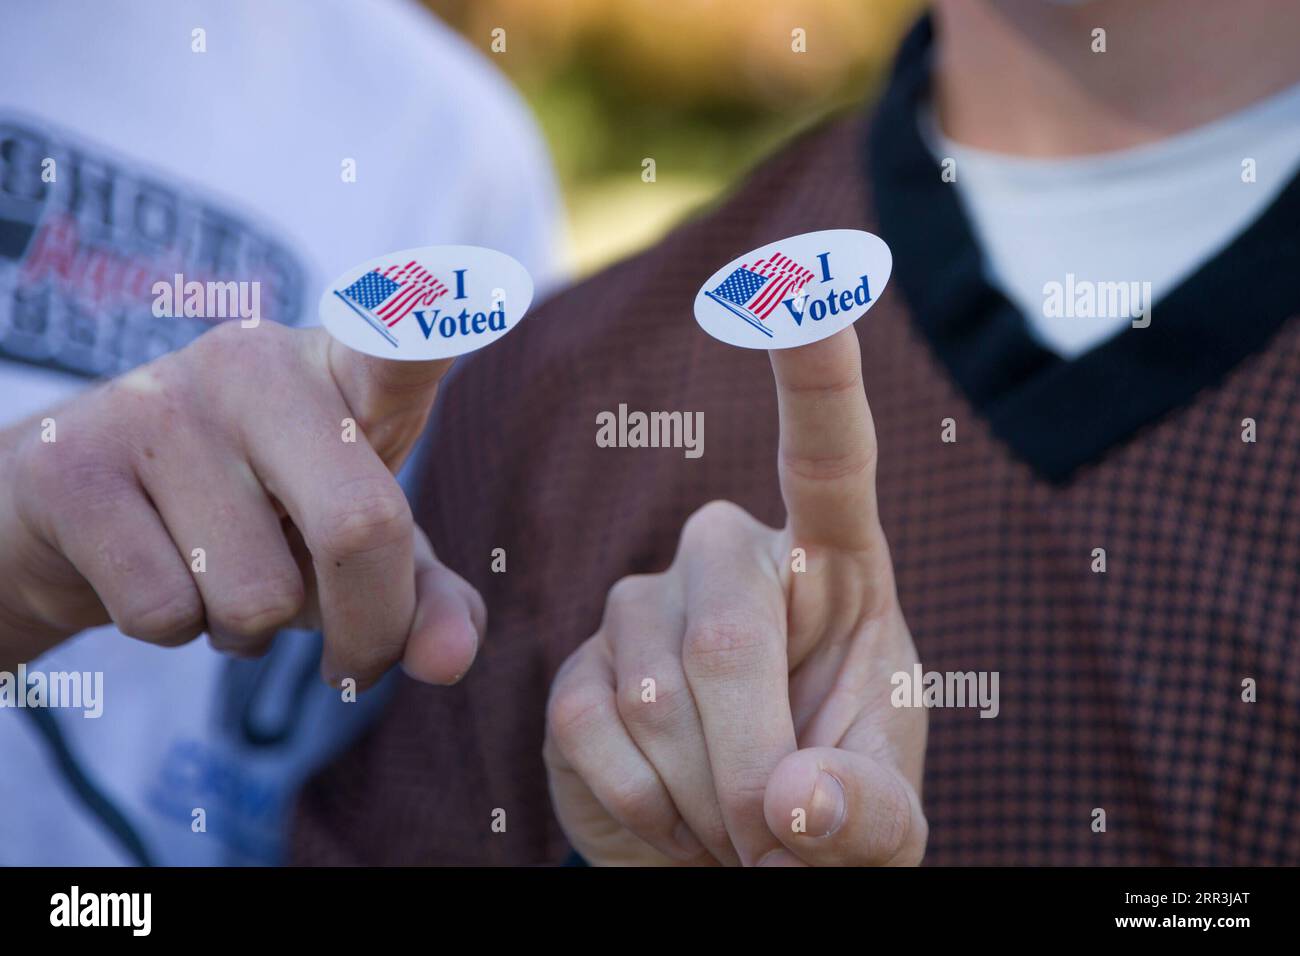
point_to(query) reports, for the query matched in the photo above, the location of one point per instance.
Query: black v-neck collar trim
(1059, 415)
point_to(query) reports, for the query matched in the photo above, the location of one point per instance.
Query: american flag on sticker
(752, 292)
(385, 298)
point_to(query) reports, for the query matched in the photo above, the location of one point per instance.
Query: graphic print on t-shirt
(85, 236)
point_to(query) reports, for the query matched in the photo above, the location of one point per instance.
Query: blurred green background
(703, 87)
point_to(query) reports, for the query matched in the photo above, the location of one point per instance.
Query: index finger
(827, 460)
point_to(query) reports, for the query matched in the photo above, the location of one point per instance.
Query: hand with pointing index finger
(237, 445)
(767, 736)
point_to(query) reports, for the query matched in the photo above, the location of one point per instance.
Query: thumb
(834, 807)
(390, 398)
(450, 620)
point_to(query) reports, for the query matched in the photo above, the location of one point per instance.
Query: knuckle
(742, 795)
(238, 646)
(636, 802)
(859, 460)
(633, 590)
(713, 519)
(575, 708)
(223, 335)
(172, 619)
(230, 341)
(564, 674)
(158, 398)
(368, 517)
(260, 606)
(665, 712)
(721, 648)
(227, 352)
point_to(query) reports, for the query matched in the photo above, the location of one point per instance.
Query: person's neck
(1020, 76)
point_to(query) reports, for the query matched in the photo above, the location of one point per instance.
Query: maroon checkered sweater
(1120, 690)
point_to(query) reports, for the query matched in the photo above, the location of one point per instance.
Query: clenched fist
(735, 710)
(238, 445)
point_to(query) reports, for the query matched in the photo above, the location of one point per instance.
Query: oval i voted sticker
(796, 290)
(428, 303)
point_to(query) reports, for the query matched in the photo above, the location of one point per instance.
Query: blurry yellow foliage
(704, 87)
(701, 50)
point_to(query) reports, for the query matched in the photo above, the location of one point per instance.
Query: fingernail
(827, 807)
(690, 845)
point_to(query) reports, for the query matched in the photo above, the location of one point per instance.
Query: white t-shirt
(1153, 214)
(212, 139)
